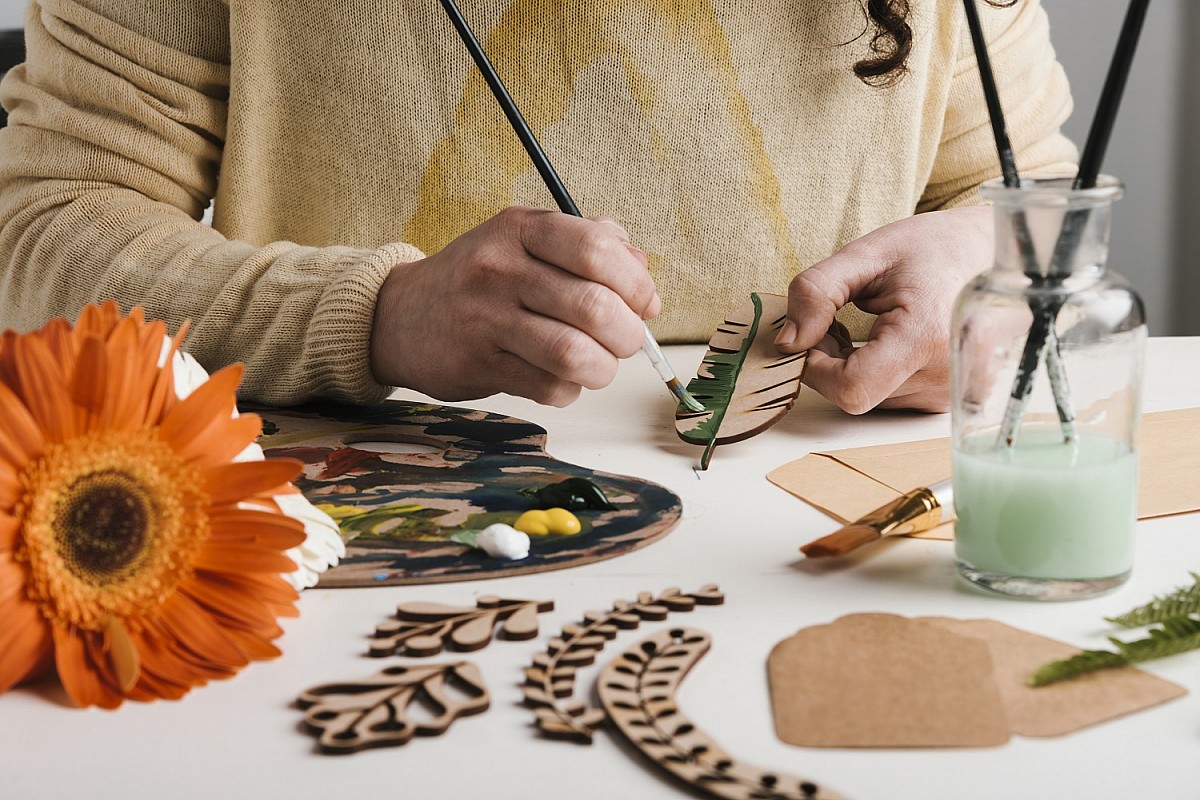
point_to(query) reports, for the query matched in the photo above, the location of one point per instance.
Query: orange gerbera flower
(135, 555)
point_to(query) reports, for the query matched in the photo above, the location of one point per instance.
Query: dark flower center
(101, 525)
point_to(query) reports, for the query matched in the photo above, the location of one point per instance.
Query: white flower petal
(323, 546)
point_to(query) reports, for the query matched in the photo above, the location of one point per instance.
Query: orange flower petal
(9, 528)
(89, 381)
(43, 389)
(10, 491)
(237, 606)
(253, 646)
(199, 635)
(25, 643)
(213, 399)
(78, 673)
(273, 531)
(229, 483)
(241, 558)
(271, 589)
(122, 655)
(221, 440)
(21, 439)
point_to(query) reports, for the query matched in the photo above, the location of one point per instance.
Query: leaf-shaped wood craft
(638, 691)
(746, 386)
(376, 712)
(551, 677)
(423, 629)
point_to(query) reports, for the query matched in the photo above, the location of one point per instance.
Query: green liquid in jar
(1046, 509)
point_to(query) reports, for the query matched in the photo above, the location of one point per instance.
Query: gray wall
(1149, 241)
(12, 13)
(1154, 231)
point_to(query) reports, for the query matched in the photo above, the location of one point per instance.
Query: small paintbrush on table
(912, 512)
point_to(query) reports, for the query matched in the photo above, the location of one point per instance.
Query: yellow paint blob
(540, 522)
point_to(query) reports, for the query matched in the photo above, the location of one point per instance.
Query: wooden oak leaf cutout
(378, 711)
(423, 629)
(551, 677)
(638, 688)
(746, 386)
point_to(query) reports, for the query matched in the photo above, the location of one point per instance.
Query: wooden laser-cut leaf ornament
(551, 677)
(746, 386)
(377, 711)
(423, 629)
(638, 688)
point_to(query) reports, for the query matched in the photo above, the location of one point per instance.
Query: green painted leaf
(746, 386)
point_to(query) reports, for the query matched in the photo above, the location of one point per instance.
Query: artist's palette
(470, 470)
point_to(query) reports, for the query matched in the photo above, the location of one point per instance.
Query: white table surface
(241, 738)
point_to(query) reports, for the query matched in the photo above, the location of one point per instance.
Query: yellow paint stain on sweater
(540, 68)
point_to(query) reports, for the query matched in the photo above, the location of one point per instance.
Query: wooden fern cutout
(423, 629)
(551, 677)
(746, 386)
(638, 691)
(376, 711)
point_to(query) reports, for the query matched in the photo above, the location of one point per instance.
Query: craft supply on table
(551, 677)
(401, 510)
(1041, 514)
(746, 385)
(848, 484)
(351, 716)
(553, 183)
(912, 512)
(638, 689)
(423, 629)
(881, 680)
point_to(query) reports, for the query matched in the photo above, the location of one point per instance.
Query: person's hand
(532, 303)
(908, 273)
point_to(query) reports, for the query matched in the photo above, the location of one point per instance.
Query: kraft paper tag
(881, 680)
(847, 484)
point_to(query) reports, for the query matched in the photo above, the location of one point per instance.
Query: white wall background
(1154, 231)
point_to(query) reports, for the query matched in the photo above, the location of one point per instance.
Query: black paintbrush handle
(538, 156)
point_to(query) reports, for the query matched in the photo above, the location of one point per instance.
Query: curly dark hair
(892, 41)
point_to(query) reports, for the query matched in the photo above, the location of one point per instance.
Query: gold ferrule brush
(912, 512)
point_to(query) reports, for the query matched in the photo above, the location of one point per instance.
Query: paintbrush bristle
(841, 542)
(684, 396)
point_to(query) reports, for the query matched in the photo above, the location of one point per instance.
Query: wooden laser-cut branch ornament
(552, 676)
(638, 688)
(423, 629)
(351, 716)
(746, 386)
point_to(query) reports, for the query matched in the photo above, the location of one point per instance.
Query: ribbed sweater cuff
(339, 340)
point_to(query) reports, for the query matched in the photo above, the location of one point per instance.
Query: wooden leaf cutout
(746, 386)
(378, 711)
(551, 678)
(423, 629)
(638, 688)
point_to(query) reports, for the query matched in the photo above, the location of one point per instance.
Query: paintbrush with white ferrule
(565, 204)
(912, 512)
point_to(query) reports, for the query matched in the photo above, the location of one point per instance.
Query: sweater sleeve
(1035, 97)
(112, 153)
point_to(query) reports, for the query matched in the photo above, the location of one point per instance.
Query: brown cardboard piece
(847, 484)
(881, 680)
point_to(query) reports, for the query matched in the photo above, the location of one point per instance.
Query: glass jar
(1046, 374)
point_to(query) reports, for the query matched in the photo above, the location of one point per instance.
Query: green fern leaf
(1177, 635)
(746, 386)
(1180, 603)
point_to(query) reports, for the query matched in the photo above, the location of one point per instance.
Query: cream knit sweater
(340, 138)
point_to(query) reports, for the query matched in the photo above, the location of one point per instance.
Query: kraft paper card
(881, 680)
(846, 484)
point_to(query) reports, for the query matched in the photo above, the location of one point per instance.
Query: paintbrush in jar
(912, 512)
